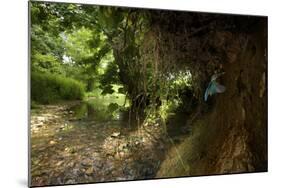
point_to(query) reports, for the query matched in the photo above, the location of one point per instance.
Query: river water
(85, 142)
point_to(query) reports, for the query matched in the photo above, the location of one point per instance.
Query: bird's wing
(219, 88)
(207, 92)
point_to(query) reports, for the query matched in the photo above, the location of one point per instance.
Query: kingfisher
(214, 87)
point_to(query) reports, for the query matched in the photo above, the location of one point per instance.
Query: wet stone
(86, 162)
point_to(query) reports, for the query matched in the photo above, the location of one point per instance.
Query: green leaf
(107, 90)
(112, 107)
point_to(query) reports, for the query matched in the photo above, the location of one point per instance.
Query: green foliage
(64, 42)
(34, 105)
(112, 107)
(112, 51)
(45, 63)
(83, 45)
(109, 77)
(48, 88)
(108, 89)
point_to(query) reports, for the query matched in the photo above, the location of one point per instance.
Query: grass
(49, 88)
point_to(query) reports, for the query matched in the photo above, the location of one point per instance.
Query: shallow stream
(81, 142)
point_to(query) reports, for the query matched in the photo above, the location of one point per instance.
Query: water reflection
(100, 110)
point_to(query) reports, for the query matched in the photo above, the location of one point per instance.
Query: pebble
(52, 142)
(87, 162)
(41, 118)
(70, 182)
(59, 163)
(38, 124)
(90, 171)
(121, 154)
(115, 134)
